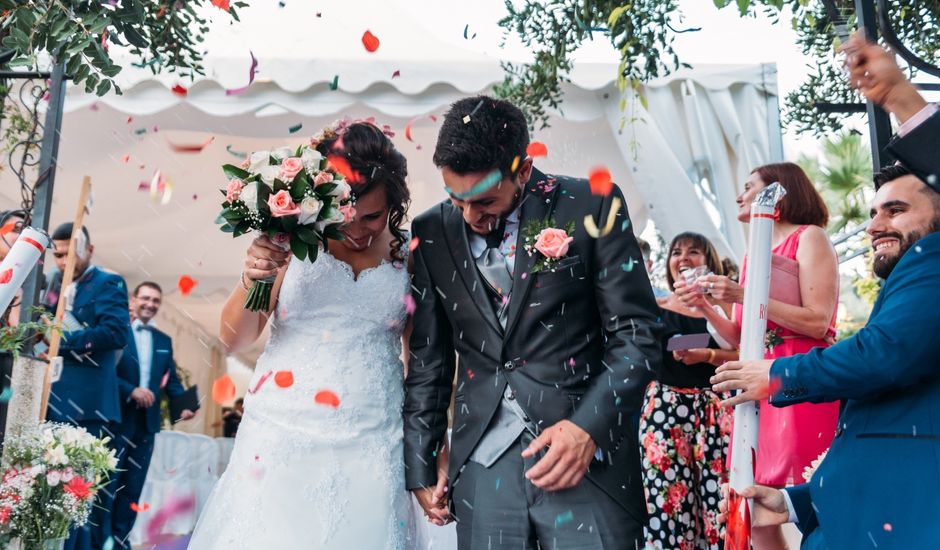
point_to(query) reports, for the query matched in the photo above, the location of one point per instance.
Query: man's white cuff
(790, 509)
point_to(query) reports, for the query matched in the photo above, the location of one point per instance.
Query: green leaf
(134, 37)
(743, 6)
(298, 247)
(103, 88)
(312, 252)
(615, 15)
(233, 171)
(308, 234)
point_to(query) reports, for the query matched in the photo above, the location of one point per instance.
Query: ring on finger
(711, 285)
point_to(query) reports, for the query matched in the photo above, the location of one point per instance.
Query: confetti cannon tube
(19, 263)
(753, 328)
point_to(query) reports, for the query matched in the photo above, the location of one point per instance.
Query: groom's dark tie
(495, 271)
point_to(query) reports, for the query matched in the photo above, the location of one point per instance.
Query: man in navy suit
(94, 334)
(146, 367)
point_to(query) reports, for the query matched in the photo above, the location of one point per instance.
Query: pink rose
(323, 177)
(348, 212)
(245, 164)
(290, 167)
(553, 243)
(234, 190)
(282, 205)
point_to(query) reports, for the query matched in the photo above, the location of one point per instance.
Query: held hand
(435, 509)
(143, 397)
(187, 414)
(264, 259)
(770, 508)
(569, 455)
(690, 296)
(751, 377)
(692, 356)
(722, 288)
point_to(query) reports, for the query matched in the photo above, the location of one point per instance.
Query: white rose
(54, 477)
(258, 160)
(269, 173)
(56, 455)
(333, 217)
(309, 210)
(282, 153)
(311, 159)
(342, 189)
(249, 196)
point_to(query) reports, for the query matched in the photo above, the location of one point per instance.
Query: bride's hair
(374, 157)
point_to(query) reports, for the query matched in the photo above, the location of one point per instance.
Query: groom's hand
(433, 501)
(570, 450)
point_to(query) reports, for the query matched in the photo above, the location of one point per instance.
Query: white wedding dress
(310, 475)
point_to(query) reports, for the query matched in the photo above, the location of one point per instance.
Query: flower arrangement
(295, 196)
(550, 244)
(50, 485)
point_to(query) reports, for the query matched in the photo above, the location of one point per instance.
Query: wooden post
(56, 338)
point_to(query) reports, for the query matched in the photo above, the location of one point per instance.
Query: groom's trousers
(497, 507)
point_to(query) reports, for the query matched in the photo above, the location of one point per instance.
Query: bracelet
(241, 279)
(711, 356)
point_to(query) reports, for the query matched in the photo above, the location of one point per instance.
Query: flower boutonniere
(549, 243)
(772, 339)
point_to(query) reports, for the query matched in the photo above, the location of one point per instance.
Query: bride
(318, 461)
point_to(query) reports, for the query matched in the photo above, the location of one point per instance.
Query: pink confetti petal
(261, 381)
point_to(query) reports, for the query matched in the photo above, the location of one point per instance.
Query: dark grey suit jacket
(581, 342)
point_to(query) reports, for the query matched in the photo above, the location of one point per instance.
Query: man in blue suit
(146, 367)
(94, 334)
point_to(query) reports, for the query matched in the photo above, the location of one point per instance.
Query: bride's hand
(434, 499)
(264, 259)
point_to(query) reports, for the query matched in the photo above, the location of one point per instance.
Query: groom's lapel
(456, 232)
(537, 204)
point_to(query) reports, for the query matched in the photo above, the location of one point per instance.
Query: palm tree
(843, 177)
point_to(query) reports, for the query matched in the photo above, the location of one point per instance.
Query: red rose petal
(414, 243)
(328, 398)
(186, 284)
(601, 181)
(370, 41)
(223, 389)
(179, 90)
(221, 4)
(284, 378)
(341, 165)
(536, 149)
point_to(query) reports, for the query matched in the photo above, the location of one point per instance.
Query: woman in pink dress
(801, 316)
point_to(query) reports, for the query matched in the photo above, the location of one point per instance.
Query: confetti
(887, 527)
(411, 123)
(295, 128)
(370, 41)
(410, 305)
(515, 164)
(564, 518)
(234, 153)
(600, 180)
(223, 389)
(465, 29)
(335, 84)
(108, 544)
(140, 131)
(490, 180)
(140, 507)
(221, 4)
(197, 148)
(126, 158)
(165, 379)
(252, 70)
(261, 381)
(130, 119)
(414, 244)
(342, 166)
(328, 398)
(466, 119)
(536, 149)
(628, 267)
(6, 395)
(186, 284)
(396, 74)
(591, 228)
(284, 378)
(179, 90)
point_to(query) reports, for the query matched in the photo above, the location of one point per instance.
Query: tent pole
(774, 128)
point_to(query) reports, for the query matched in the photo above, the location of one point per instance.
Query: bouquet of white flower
(55, 472)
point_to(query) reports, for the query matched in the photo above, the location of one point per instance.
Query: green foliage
(77, 33)
(13, 338)
(843, 177)
(643, 32)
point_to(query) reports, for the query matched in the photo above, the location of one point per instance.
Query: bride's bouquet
(295, 197)
(50, 485)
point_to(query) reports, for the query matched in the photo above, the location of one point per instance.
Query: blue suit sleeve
(174, 386)
(896, 349)
(127, 363)
(918, 149)
(108, 331)
(802, 502)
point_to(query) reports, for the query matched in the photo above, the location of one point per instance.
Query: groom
(555, 348)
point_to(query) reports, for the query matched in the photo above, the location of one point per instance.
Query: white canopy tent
(679, 163)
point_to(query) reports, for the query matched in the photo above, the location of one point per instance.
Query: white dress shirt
(508, 245)
(790, 510)
(144, 340)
